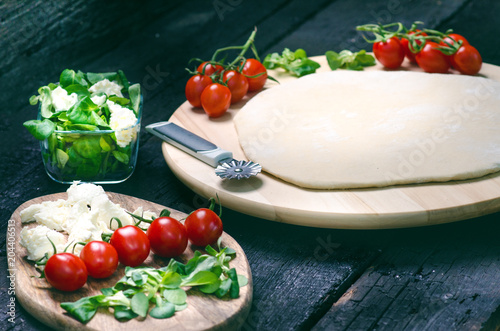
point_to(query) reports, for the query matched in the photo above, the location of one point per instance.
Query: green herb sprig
(296, 63)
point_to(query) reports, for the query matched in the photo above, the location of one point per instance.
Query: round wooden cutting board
(204, 312)
(268, 197)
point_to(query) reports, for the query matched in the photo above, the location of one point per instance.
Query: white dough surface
(354, 129)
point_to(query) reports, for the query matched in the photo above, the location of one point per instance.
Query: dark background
(436, 278)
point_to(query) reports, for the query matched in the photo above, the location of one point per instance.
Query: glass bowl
(100, 157)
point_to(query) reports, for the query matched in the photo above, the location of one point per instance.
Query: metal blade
(235, 169)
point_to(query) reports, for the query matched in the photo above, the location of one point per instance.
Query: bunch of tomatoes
(130, 245)
(215, 85)
(431, 50)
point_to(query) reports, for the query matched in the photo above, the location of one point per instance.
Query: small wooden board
(270, 198)
(204, 312)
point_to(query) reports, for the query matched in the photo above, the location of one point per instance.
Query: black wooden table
(443, 277)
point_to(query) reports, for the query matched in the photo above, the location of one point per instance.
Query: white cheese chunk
(122, 121)
(83, 191)
(61, 100)
(37, 244)
(53, 214)
(107, 210)
(107, 87)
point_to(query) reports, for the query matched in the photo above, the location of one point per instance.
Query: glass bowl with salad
(88, 125)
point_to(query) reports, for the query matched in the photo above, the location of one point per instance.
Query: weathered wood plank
(446, 279)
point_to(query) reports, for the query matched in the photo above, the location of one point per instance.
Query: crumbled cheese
(61, 100)
(37, 244)
(107, 87)
(84, 217)
(99, 100)
(28, 214)
(83, 191)
(52, 214)
(83, 231)
(107, 210)
(122, 121)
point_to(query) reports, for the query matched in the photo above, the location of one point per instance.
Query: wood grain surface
(204, 312)
(270, 198)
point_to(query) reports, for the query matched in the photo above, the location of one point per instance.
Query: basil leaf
(45, 98)
(333, 60)
(69, 77)
(224, 288)
(210, 288)
(200, 278)
(121, 157)
(87, 146)
(134, 93)
(164, 311)
(123, 80)
(234, 291)
(140, 304)
(176, 296)
(84, 309)
(123, 313)
(349, 60)
(80, 90)
(62, 158)
(41, 130)
(242, 280)
(97, 77)
(297, 63)
(83, 112)
(171, 280)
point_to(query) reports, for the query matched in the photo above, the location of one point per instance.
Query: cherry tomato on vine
(65, 272)
(100, 258)
(406, 45)
(467, 60)
(210, 69)
(168, 237)
(431, 59)
(194, 87)
(253, 67)
(131, 244)
(454, 37)
(389, 53)
(237, 83)
(203, 227)
(451, 39)
(216, 99)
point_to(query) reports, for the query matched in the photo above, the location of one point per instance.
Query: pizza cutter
(222, 160)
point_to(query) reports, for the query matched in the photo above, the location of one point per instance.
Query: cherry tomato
(100, 258)
(467, 60)
(216, 99)
(210, 69)
(390, 53)
(237, 83)
(168, 237)
(431, 59)
(194, 87)
(454, 37)
(65, 272)
(406, 45)
(131, 244)
(203, 227)
(253, 67)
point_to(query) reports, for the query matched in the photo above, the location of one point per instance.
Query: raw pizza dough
(349, 129)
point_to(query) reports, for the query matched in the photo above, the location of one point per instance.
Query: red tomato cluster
(129, 245)
(214, 88)
(431, 58)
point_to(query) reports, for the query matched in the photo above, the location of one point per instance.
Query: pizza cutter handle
(189, 142)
